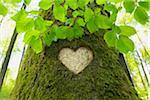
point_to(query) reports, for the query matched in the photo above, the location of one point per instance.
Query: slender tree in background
(8, 55)
(7, 58)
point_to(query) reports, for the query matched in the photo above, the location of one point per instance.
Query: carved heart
(77, 60)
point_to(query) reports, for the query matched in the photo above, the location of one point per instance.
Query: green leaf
(20, 15)
(72, 4)
(24, 25)
(78, 31)
(74, 32)
(45, 4)
(103, 22)
(75, 13)
(28, 35)
(144, 4)
(70, 33)
(116, 29)
(61, 32)
(110, 38)
(78, 13)
(16, 1)
(48, 23)
(124, 44)
(110, 7)
(35, 12)
(99, 2)
(65, 7)
(88, 14)
(115, 1)
(82, 3)
(29, 24)
(3, 10)
(70, 21)
(127, 30)
(60, 13)
(27, 2)
(13, 2)
(91, 26)
(58, 2)
(80, 22)
(140, 15)
(114, 11)
(40, 24)
(36, 45)
(97, 10)
(129, 5)
(48, 38)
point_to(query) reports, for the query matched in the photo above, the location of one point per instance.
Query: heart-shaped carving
(77, 60)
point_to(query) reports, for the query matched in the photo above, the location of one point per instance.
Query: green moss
(43, 77)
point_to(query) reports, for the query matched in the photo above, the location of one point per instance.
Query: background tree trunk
(44, 77)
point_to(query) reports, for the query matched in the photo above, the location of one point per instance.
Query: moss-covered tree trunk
(43, 77)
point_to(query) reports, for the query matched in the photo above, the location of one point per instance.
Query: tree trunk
(43, 77)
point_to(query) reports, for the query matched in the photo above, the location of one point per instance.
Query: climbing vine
(72, 19)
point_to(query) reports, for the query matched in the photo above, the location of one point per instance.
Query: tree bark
(43, 77)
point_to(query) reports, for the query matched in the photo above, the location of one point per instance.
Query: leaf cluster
(71, 19)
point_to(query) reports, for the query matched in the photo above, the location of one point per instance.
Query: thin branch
(145, 88)
(143, 45)
(143, 68)
(7, 58)
(145, 50)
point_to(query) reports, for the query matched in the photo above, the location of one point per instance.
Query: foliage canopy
(72, 19)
